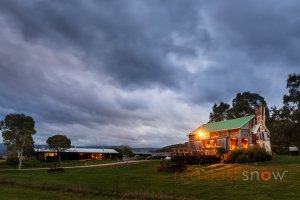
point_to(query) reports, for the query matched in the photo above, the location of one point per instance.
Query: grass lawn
(66, 163)
(8, 192)
(141, 180)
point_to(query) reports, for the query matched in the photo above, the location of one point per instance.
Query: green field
(141, 181)
(66, 163)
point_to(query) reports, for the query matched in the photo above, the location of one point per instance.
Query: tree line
(17, 132)
(283, 122)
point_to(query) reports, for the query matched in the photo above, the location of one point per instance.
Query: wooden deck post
(239, 140)
(228, 141)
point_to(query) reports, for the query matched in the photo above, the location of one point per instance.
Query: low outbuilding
(76, 154)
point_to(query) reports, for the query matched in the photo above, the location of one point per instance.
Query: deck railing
(182, 152)
(191, 152)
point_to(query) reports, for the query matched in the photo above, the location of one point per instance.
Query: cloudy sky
(140, 72)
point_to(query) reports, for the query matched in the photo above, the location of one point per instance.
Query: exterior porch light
(200, 134)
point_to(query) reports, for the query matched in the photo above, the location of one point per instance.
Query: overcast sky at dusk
(140, 72)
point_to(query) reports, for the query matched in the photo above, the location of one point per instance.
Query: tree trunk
(58, 152)
(20, 155)
(20, 158)
(59, 157)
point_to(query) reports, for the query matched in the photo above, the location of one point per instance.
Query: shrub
(231, 156)
(253, 154)
(235, 154)
(220, 151)
(259, 154)
(244, 159)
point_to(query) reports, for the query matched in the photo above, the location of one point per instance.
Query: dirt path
(86, 166)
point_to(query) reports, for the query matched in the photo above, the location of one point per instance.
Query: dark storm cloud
(254, 48)
(129, 71)
(129, 40)
(267, 31)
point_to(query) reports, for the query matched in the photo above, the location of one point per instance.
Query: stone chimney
(260, 117)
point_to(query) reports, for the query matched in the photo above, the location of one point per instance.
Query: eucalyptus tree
(17, 131)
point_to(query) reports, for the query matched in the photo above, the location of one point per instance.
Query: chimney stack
(260, 115)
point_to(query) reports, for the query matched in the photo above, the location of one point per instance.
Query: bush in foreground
(244, 159)
(253, 154)
(259, 154)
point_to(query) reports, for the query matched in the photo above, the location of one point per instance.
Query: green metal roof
(224, 125)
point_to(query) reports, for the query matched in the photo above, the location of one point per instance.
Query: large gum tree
(17, 131)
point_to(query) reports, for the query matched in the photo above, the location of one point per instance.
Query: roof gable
(224, 125)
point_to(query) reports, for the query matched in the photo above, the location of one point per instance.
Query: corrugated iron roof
(224, 125)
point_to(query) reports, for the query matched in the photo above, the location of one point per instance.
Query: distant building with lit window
(239, 133)
(76, 154)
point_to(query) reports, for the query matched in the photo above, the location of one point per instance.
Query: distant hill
(111, 147)
(2, 148)
(146, 149)
(39, 146)
(173, 146)
(138, 149)
(142, 149)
